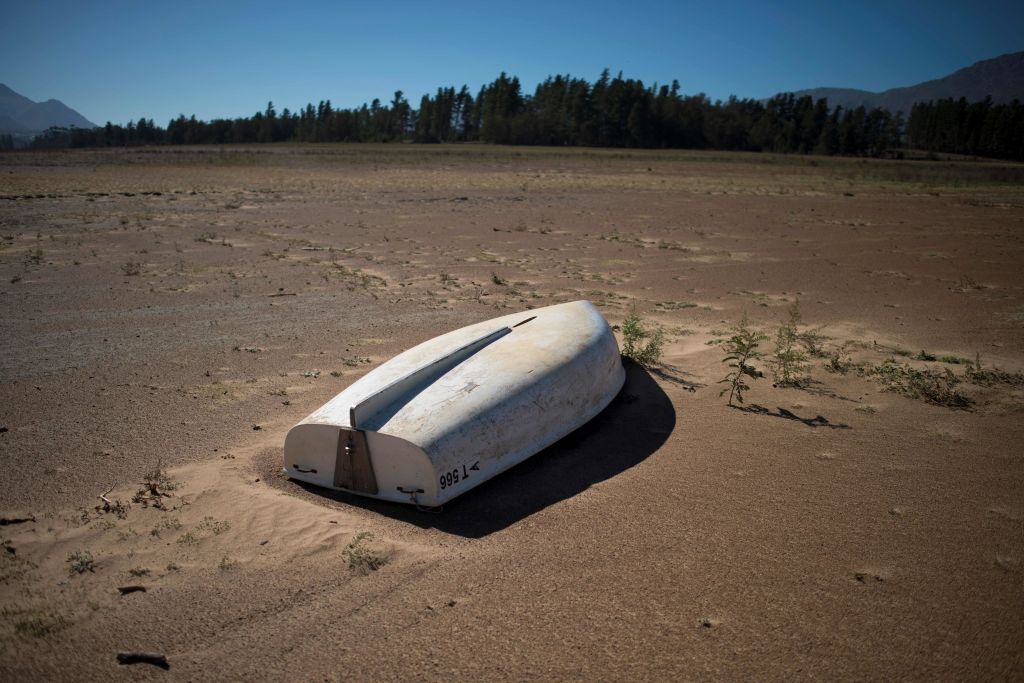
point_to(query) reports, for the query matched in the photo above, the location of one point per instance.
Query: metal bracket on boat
(421, 508)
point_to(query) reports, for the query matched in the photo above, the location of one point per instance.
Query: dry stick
(103, 496)
(143, 658)
(125, 590)
(4, 521)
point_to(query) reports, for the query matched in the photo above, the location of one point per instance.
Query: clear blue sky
(122, 60)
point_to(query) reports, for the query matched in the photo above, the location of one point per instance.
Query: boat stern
(362, 462)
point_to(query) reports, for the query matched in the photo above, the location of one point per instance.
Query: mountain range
(22, 116)
(1001, 78)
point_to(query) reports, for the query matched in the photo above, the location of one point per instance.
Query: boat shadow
(633, 426)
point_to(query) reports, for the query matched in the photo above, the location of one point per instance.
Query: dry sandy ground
(187, 306)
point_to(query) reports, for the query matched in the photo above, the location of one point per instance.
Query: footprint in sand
(1001, 511)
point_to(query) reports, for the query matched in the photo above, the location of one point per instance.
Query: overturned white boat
(454, 411)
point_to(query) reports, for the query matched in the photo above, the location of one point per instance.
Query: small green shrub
(741, 351)
(789, 364)
(633, 346)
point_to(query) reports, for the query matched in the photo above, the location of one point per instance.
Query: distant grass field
(703, 171)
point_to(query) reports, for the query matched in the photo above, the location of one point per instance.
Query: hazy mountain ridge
(19, 114)
(1001, 78)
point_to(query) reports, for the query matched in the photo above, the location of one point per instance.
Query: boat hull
(447, 415)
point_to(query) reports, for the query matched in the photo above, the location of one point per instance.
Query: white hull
(452, 412)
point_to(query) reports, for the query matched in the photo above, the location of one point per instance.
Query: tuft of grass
(362, 559)
(813, 342)
(675, 305)
(214, 526)
(633, 345)
(80, 562)
(40, 625)
(131, 268)
(840, 361)
(189, 538)
(357, 278)
(227, 563)
(741, 352)
(138, 571)
(166, 524)
(205, 529)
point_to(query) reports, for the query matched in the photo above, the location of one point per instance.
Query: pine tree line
(979, 128)
(611, 112)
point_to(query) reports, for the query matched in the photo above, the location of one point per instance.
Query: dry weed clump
(205, 529)
(362, 559)
(131, 268)
(40, 625)
(935, 387)
(156, 485)
(114, 507)
(988, 377)
(81, 561)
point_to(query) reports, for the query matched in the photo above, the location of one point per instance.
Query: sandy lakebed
(181, 308)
